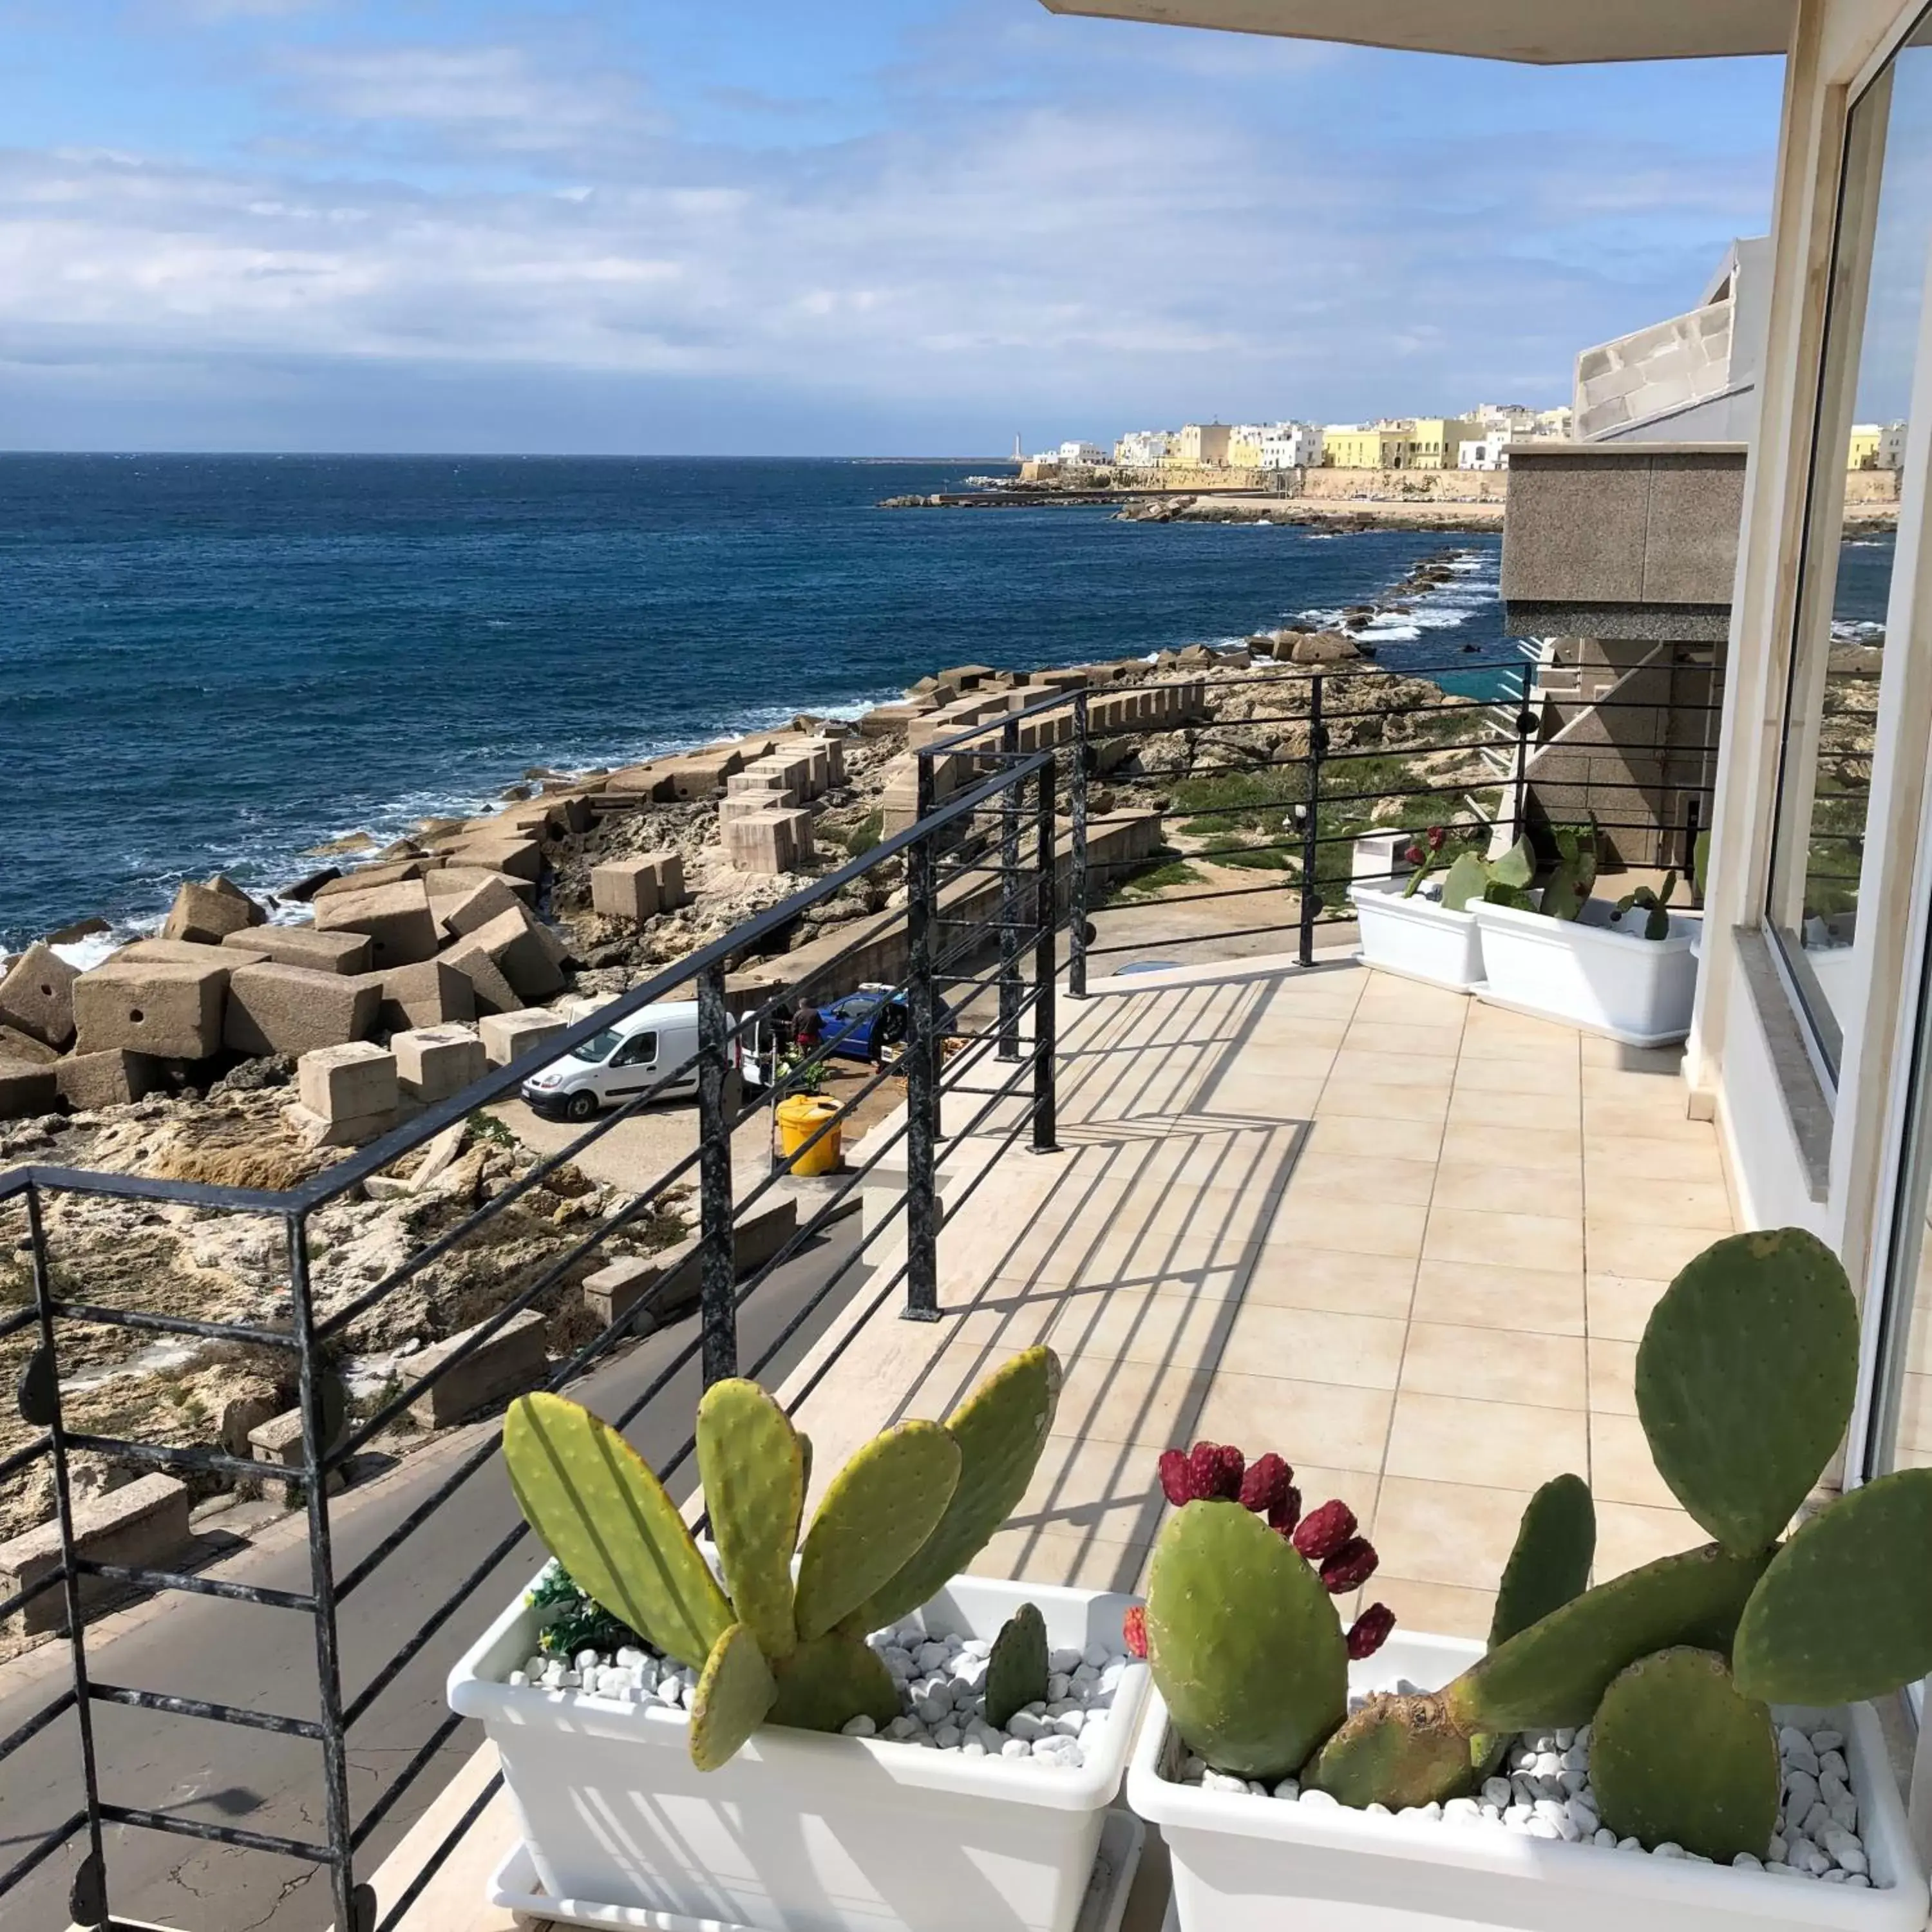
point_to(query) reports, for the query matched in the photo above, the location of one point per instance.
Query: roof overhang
(1546, 32)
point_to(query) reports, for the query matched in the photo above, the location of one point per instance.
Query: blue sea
(216, 663)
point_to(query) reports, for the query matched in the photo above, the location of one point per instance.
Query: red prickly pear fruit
(1284, 1515)
(1350, 1567)
(1174, 1477)
(1215, 1471)
(1369, 1632)
(1413, 855)
(1265, 1484)
(1323, 1532)
(1437, 834)
(1133, 1631)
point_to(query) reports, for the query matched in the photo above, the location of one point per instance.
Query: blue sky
(855, 227)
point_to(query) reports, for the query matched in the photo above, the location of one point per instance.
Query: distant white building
(1291, 445)
(1082, 455)
(1892, 446)
(1144, 448)
(1490, 451)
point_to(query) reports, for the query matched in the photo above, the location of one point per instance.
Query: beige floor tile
(1494, 1365)
(1250, 1094)
(1653, 1087)
(1246, 1059)
(1705, 1205)
(1076, 1559)
(1470, 1107)
(1306, 1421)
(1265, 1032)
(1347, 1227)
(1369, 1100)
(1123, 1324)
(1393, 1070)
(1108, 1489)
(1552, 1242)
(1477, 1073)
(1341, 1284)
(1634, 1157)
(1253, 1162)
(1435, 1609)
(1376, 1036)
(1496, 1444)
(1612, 1371)
(1455, 1533)
(1528, 1152)
(1352, 1351)
(1361, 1177)
(1410, 1000)
(1128, 1402)
(1466, 1179)
(1473, 1295)
(1617, 1305)
(1613, 1247)
(1600, 1052)
(1656, 1120)
(1620, 1468)
(1332, 1132)
(1629, 1536)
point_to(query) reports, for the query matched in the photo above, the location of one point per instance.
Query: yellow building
(1244, 449)
(1366, 446)
(1200, 446)
(1435, 443)
(1866, 438)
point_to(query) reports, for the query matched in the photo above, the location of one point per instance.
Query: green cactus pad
(1396, 1751)
(1678, 1757)
(1464, 881)
(1554, 1673)
(1744, 1381)
(754, 1474)
(1016, 1671)
(598, 1509)
(1243, 1642)
(1555, 1544)
(878, 1511)
(732, 1698)
(1845, 1611)
(1001, 1428)
(825, 1684)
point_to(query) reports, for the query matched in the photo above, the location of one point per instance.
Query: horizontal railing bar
(139, 1578)
(42, 1850)
(12, 1464)
(220, 1835)
(173, 1324)
(393, 1792)
(438, 1858)
(46, 1714)
(165, 1457)
(203, 1708)
(20, 1599)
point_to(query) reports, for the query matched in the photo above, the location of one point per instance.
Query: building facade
(1201, 446)
(1143, 449)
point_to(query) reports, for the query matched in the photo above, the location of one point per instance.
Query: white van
(616, 1065)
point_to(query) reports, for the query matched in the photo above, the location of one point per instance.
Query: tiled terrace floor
(1406, 1240)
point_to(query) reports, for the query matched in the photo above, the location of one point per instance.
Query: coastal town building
(1200, 446)
(1489, 451)
(1143, 449)
(1404, 442)
(1876, 446)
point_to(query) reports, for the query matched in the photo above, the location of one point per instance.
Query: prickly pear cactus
(1396, 1751)
(1677, 1755)
(1842, 1613)
(753, 1470)
(734, 1697)
(1242, 1642)
(1016, 1672)
(825, 1683)
(1555, 1544)
(1001, 1428)
(876, 1513)
(1555, 1672)
(1745, 1378)
(598, 1509)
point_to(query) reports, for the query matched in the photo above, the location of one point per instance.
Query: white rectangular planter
(1251, 1864)
(1589, 973)
(802, 1831)
(1417, 937)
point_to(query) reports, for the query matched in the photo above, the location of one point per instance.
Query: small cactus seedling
(1016, 1672)
(1678, 1756)
(1654, 905)
(910, 1509)
(1555, 1544)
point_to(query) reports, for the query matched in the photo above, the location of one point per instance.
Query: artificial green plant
(911, 1508)
(1745, 1381)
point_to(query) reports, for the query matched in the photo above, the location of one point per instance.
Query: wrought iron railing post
(40, 1405)
(922, 1064)
(1009, 1047)
(322, 1419)
(717, 1263)
(1076, 787)
(1045, 1110)
(1311, 827)
(1525, 723)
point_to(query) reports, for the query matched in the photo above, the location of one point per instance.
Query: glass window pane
(1871, 337)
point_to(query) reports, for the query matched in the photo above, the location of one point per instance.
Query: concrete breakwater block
(295, 1009)
(489, 992)
(209, 913)
(511, 1359)
(489, 897)
(617, 1289)
(527, 954)
(143, 1524)
(433, 1063)
(26, 1088)
(37, 995)
(395, 918)
(769, 842)
(345, 953)
(456, 882)
(276, 1445)
(171, 1010)
(432, 992)
(347, 1094)
(508, 1036)
(89, 1082)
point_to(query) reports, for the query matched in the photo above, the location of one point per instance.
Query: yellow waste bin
(800, 1118)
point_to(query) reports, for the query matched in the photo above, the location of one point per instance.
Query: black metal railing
(992, 876)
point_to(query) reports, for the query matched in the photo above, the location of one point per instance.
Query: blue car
(861, 1025)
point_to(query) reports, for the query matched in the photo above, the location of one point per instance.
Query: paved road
(238, 1654)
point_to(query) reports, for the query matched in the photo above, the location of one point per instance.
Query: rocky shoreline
(500, 929)
(1338, 514)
